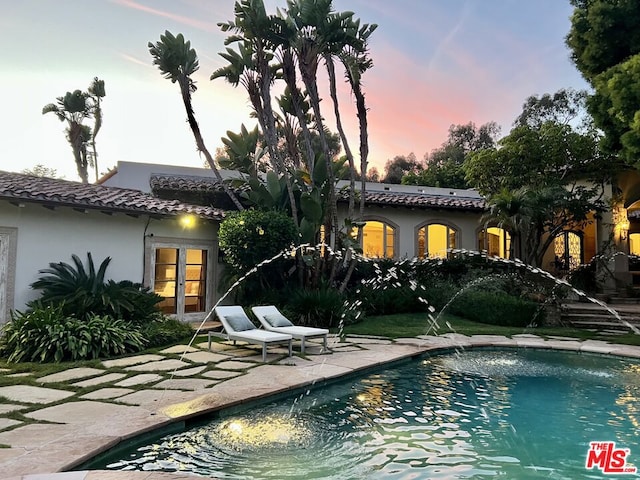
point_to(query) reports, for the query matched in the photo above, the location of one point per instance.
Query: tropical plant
(535, 216)
(294, 42)
(48, 335)
(323, 307)
(96, 93)
(83, 291)
(74, 108)
(177, 62)
(164, 331)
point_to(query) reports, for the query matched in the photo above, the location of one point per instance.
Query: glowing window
(180, 278)
(495, 241)
(634, 243)
(435, 240)
(378, 240)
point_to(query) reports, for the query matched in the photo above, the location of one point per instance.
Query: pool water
(473, 414)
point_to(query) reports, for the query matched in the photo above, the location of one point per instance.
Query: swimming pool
(471, 414)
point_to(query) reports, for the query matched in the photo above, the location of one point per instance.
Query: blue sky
(436, 63)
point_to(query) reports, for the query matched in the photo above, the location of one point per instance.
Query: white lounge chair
(272, 320)
(237, 326)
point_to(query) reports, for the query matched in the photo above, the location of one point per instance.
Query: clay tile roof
(63, 193)
(456, 200)
(423, 200)
(187, 183)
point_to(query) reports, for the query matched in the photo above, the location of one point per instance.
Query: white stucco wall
(45, 236)
(136, 175)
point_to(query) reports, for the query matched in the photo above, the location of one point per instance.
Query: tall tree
(41, 170)
(444, 166)
(536, 215)
(605, 44)
(74, 108)
(566, 106)
(177, 62)
(253, 30)
(96, 94)
(401, 165)
(535, 177)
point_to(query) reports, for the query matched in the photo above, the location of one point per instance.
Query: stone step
(600, 325)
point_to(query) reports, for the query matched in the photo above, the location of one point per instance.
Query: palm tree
(74, 109)
(318, 31)
(356, 62)
(509, 210)
(177, 61)
(96, 92)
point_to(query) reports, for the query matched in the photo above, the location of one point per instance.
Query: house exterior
(406, 221)
(165, 244)
(170, 245)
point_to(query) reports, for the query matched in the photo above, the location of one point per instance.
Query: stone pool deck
(77, 413)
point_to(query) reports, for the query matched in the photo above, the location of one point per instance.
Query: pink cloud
(199, 24)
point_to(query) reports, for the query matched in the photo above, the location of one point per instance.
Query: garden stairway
(595, 317)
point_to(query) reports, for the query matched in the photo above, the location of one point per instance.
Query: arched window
(378, 240)
(568, 250)
(435, 239)
(634, 243)
(495, 241)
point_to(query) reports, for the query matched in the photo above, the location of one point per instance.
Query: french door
(568, 250)
(182, 276)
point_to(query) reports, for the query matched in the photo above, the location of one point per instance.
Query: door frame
(8, 253)
(182, 244)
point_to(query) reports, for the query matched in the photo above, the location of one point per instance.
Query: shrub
(164, 331)
(324, 307)
(386, 301)
(497, 308)
(83, 292)
(47, 334)
(251, 236)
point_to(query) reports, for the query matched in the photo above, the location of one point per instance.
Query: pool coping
(93, 437)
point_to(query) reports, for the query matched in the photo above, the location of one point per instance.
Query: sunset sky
(436, 63)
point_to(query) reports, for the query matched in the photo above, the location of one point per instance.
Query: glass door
(180, 276)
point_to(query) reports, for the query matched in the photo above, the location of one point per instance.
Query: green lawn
(413, 324)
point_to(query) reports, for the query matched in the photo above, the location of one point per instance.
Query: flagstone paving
(93, 409)
(71, 374)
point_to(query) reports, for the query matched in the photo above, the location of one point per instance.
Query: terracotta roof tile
(55, 192)
(424, 200)
(457, 200)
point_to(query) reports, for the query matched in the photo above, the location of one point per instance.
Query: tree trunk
(75, 139)
(186, 99)
(345, 143)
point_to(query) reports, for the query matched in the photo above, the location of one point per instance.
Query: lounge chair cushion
(239, 323)
(278, 320)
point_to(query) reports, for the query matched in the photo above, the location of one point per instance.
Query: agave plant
(82, 291)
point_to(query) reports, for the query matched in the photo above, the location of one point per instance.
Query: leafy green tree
(534, 177)
(564, 107)
(401, 165)
(552, 154)
(40, 170)
(444, 166)
(251, 236)
(177, 62)
(605, 44)
(536, 215)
